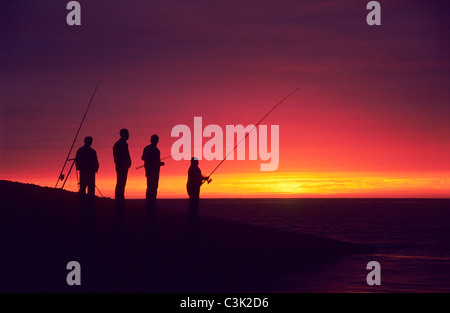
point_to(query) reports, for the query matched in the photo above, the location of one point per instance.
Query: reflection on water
(411, 238)
(348, 274)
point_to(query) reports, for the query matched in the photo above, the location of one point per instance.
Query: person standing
(195, 181)
(152, 163)
(122, 160)
(87, 163)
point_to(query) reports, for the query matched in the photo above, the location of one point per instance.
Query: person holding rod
(195, 181)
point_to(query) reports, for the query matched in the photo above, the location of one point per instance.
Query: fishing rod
(166, 157)
(61, 175)
(247, 134)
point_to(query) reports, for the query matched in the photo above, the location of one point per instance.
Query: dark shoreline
(163, 250)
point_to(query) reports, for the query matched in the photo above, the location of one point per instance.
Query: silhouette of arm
(128, 157)
(115, 153)
(158, 156)
(121, 154)
(204, 178)
(97, 165)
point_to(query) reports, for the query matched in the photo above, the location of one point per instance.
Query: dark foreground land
(139, 250)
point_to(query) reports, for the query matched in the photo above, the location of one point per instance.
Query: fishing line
(61, 175)
(254, 127)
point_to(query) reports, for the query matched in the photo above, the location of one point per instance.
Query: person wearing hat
(195, 181)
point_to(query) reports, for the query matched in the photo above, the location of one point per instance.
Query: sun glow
(289, 185)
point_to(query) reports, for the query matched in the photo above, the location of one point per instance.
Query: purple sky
(380, 91)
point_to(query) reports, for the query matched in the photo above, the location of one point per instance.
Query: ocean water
(411, 238)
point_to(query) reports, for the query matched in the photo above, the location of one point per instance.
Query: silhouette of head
(88, 141)
(154, 139)
(124, 133)
(194, 161)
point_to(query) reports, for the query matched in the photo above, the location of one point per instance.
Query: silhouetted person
(122, 160)
(87, 163)
(152, 163)
(195, 181)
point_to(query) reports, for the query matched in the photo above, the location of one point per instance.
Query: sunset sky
(371, 119)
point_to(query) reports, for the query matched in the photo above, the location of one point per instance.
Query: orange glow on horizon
(288, 185)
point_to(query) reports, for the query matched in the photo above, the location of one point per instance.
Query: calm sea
(411, 237)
